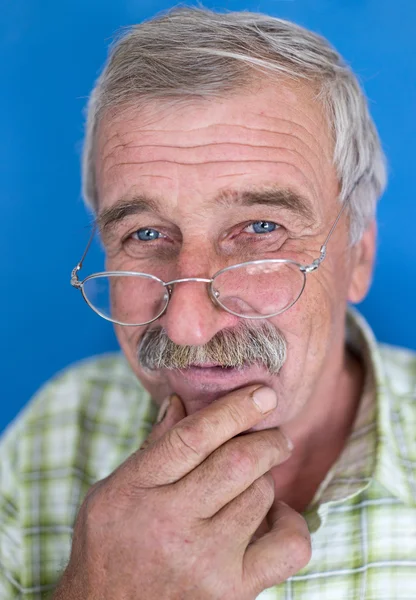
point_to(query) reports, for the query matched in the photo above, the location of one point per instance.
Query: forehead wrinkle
(309, 105)
(218, 125)
(223, 143)
(290, 126)
(314, 143)
(108, 140)
(210, 162)
(298, 131)
(299, 98)
(307, 156)
(125, 115)
(306, 115)
(294, 151)
(103, 155)
(240, 161)
(267, 131)
(118, 148)
(221, 162)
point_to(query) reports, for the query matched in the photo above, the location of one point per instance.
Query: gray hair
(246, 343)
(187, 53)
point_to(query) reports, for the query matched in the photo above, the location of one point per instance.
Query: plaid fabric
(85, 422)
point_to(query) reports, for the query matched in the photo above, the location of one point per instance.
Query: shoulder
(98, 398)
(75, 431)
(73, 388)
(105, 370)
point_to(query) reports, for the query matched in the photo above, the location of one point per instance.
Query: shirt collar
(372, 452)
(389, 469)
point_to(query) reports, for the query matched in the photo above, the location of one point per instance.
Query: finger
(171, 412)
(243, 516)
(187, 444)
(280, 553)
(232, 468)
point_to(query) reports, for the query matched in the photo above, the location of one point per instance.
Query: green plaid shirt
(88, 419)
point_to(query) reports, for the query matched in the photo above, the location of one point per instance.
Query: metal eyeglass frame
(305, 269)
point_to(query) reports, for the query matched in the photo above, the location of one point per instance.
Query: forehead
(193, 150)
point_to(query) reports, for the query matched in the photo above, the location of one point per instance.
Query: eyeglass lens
(252, 290)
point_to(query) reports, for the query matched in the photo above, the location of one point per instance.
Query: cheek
(311, 325)
(136, 299)
(315, 306)
(129, 340)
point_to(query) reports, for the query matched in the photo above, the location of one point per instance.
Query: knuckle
(240, 461)
(92, 491)
(94, 496)
(145, 444)
(94, 507)
(299, 547)
(186, 440)
(109, 498)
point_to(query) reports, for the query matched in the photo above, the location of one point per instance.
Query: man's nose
(192, 318)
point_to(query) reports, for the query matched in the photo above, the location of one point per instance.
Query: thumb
(171, 412)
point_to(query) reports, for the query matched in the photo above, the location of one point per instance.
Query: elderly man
(233, 170)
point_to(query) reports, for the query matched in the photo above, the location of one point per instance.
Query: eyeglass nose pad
(165, 299)
(167, 293)
(213, 294)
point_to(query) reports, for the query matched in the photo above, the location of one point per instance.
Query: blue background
(50, 54)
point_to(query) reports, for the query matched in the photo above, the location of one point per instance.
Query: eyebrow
(110, 218)
(279, 198)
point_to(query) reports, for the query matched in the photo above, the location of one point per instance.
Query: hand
(175, 520)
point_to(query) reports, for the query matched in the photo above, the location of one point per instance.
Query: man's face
(194, 162)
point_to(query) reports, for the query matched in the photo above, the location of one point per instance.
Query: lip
(205, 366)
(199, 387)
(213, 373)
(209, 383)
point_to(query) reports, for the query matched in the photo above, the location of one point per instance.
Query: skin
(197, 513)
(185, 156)
(176, 519)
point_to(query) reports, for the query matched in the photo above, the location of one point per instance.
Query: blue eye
(147, 234)
(263, 226)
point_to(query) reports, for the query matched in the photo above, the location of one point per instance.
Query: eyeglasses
(257, 289)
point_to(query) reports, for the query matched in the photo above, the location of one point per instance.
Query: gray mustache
(236, 347)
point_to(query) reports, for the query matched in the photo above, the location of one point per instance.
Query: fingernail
(163, 410)
(265, 399)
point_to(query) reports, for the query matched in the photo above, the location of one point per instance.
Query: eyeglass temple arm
(315, 264)
(74, 273)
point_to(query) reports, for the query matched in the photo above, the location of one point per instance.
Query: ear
(363, 263)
